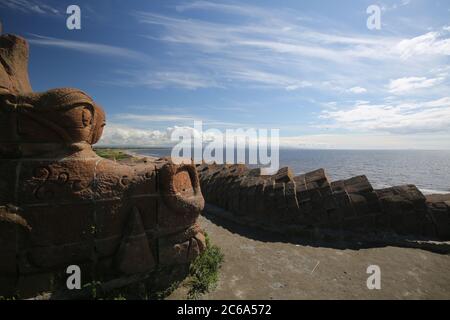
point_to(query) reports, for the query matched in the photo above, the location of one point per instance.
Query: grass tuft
(204, 271)
(112, 154)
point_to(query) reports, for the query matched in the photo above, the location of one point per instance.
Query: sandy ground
(262, 266)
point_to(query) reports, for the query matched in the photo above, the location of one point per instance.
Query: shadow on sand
(318, 237)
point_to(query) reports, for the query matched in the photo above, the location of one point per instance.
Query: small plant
(204, 271)
(93, 286)
(112, 154)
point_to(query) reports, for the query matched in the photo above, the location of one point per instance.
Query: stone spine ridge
(311, 201)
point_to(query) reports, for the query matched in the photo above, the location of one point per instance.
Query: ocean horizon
(429, 170)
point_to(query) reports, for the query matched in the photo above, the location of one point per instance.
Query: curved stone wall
(310, 201)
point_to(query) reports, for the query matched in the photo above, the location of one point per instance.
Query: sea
(428, 170)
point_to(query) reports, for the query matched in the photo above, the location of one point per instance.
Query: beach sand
(261, 266)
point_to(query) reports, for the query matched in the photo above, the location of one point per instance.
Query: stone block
(283, 175)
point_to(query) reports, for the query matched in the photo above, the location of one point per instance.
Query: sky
(312, 69)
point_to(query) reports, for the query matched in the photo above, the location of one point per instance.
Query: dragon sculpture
(61, 204)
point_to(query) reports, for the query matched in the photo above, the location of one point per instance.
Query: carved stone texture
(310, 201)
(61, 204)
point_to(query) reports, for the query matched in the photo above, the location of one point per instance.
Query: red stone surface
(61, 204)
(310, 201)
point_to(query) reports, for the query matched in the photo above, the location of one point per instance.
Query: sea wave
(429, 191)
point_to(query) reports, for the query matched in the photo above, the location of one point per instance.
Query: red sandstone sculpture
(61, 204)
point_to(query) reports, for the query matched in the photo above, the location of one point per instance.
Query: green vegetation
(203, 274)
(93, 288)
(204, 271)
(112, 154)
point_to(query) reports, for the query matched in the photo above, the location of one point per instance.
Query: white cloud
(357, 90)
(126, 136)
(120, 135)
(367, 141)
(87, 47)
(405, 117)
(155, 117)
(431, 43)
(229, 54)
(123, 135)
(29, 6)
(163, 79)
(221, 7)
(284, 53)
(409, 84)
(274, 48)
(185, 80)
(239, 52)
(394, 6)
(267, 78)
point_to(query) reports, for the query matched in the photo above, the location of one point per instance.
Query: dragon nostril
(182, 183)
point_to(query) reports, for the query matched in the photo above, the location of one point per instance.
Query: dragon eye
(86, 117)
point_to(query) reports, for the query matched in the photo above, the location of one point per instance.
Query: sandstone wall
(62, 205)
(310, 202)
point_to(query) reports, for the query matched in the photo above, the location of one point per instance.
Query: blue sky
(309, 68)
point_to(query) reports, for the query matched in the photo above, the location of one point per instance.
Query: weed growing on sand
(204, 271)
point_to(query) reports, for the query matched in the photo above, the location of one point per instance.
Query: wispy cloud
(29, 6)
(88, 47)
(324, 69)
(163, 79)
(367, 141)
(171, 119)
(267, 78)
(395, 5)
(431, 43)
(357, 90)
(283, 35)
(404, 117)
(156, 117)
(222, 7)
(409, 84)
(301, 56)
